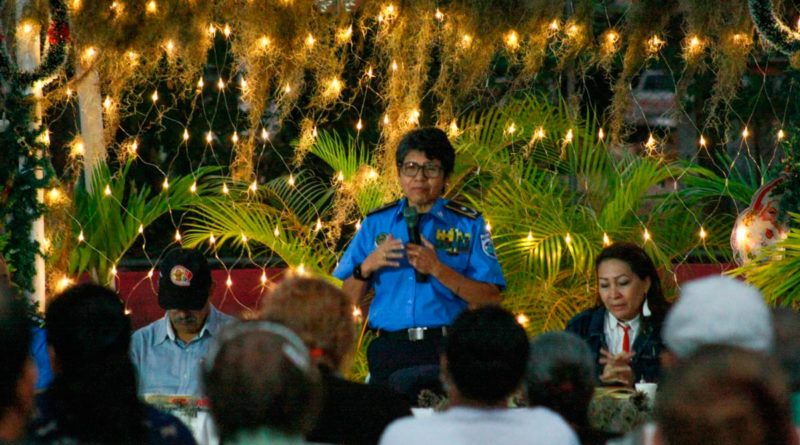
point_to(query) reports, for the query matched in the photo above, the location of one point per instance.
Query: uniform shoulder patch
(461, 209)
(383, 207)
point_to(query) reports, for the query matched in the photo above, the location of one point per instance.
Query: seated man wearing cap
(167, 353)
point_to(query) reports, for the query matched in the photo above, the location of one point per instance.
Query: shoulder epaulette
(383, 207)
(461, 209)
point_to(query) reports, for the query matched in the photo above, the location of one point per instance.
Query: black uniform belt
(412, 334)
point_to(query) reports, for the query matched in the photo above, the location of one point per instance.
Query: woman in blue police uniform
(419, 288)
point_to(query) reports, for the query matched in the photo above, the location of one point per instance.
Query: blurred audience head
(486, 352)
(718, 310)
(17, 372)
(561, 376)
(787, 344)
(94, 389)
(723, 395)
(319, 313)
(258, 375)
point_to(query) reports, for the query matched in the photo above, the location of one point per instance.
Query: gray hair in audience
(718, 310)
(561, 375)
(258, 374)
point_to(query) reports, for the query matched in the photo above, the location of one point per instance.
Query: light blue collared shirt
(461, 242)
(165, 364)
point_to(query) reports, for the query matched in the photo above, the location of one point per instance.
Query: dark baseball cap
(185, 280)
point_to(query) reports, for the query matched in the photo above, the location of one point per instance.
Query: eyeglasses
(429, 169)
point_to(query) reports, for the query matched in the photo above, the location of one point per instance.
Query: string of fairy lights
(394, 120)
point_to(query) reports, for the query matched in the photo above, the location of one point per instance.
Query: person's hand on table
(616, 368)
(423, 257)
(387, 254)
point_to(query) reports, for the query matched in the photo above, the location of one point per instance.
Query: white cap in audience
(718, 310)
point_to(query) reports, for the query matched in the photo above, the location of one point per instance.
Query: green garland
(22, 144)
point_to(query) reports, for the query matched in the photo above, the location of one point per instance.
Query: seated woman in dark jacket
(624, 329)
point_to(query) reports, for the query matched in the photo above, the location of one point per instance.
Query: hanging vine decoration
(770, 26)
(57, 37)
(22, 142)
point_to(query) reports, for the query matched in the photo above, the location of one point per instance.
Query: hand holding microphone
(416, 248)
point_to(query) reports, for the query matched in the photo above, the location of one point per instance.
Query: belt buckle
(416, 334)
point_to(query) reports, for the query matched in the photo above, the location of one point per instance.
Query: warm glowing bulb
(372, 175)
(63, 283)
(235, 137)
(265, 41)
(301, 269)
(606, 240)
(703, 141)
(263, 278)
(654, 44)
(287, 89)
(185, 134)
(141, 228)
(651, 142)
(107, 191)
(530, 236)
(220, 83)
(78, 149)
(165, 184)
(601, 134)
(225, 189)
(555, 25)
(612, 36)
(226, 30)
(211, 239)
(178, 235)
(291, 180)
(243, 83)
(439, 15)
(466, 40)
(523, 320)
(107, 103)
(741, 234)
(89, 53)
(745, 133)
(781, 135)
(573, 30)
(370, 74)
(134, 147)
(209, 137)
(229, 282)
(512, 40)
(310, 40)
(540, 133)
(254, 186)
(170, 45)
(394, 65)
(568, 238)
(511, 129)
(703, 233)
(359, 125)
(200, 83)
(151, 6)
(212, 29)
(27, 28)
(264, 134)
(150, 273)
(358, 225)
(114, 270)
(340, 176)
(193, 187)
(318, 226)
(154, 96)
(276, 232)
(344, 35)
(244, 238)
(570, 135)
(414, 116)
(69, 92)
(488, 226)
(385, 119)
(357, 313)
(81, 238)
(646, 235)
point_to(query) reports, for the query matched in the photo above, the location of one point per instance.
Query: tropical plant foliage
(111, 216)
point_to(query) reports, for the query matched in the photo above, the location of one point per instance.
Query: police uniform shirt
(462, 243)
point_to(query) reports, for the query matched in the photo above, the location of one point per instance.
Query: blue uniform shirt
(462, 243)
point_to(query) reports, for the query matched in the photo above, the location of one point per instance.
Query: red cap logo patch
(180, 276)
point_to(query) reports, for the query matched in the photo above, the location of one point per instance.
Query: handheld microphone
(412, 221)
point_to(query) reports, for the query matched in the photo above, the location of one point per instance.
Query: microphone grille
(410, 215)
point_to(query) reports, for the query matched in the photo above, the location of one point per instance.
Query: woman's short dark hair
(431, 141)
(259, 375)
(642, 265)
(94, 390)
